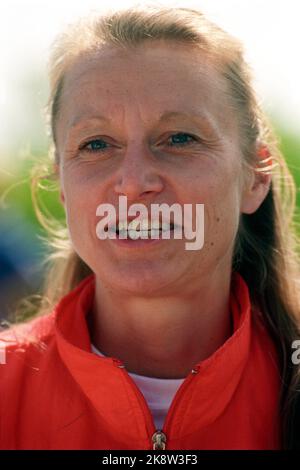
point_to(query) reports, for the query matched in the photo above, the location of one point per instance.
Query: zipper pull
(159, 440)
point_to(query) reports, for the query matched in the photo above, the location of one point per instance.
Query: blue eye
(181, 139)
(94, 145)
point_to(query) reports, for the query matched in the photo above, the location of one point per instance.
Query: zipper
(159, 440)
(158, 437)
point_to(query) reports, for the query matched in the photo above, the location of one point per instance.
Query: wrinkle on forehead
(115, 81)
(189, 63)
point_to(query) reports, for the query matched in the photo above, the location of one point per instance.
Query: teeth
(145, 224)
(122, 225)
(134, 224)
(165, 226)
(144, 234)
(133, 234)
(155, 224)
(155, 233)
(143, 227)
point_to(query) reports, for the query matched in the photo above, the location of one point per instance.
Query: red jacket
(57, 394)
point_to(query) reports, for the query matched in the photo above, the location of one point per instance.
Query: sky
(269, 30)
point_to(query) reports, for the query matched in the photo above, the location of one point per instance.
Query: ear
(62, 197)
(258, 183)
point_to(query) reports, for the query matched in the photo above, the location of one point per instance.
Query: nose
(138, 174)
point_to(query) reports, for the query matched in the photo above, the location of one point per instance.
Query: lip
(139, 243)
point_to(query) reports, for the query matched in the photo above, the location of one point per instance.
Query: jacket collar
(101, 379)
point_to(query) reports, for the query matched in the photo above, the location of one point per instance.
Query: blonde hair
(265, 251)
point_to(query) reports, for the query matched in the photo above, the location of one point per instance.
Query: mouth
(141, 229)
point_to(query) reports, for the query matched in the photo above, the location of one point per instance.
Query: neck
(162, 337)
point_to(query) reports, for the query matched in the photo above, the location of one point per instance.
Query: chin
(136, 282)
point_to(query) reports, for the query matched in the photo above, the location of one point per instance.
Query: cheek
(222, 227)
(81, 201)
(221, 199)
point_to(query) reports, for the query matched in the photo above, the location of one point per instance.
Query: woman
(143, 343)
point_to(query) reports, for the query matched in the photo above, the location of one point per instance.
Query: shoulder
(28, 356)
(28, 332)
(28, 380)
(23, 343)
(265, 348)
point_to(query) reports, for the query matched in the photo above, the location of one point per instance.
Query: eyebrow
(181, 114)
(78, 120)
(199, 118)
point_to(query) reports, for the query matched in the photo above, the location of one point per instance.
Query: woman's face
(134, 153)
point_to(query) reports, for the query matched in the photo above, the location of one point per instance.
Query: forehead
(150, 78)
